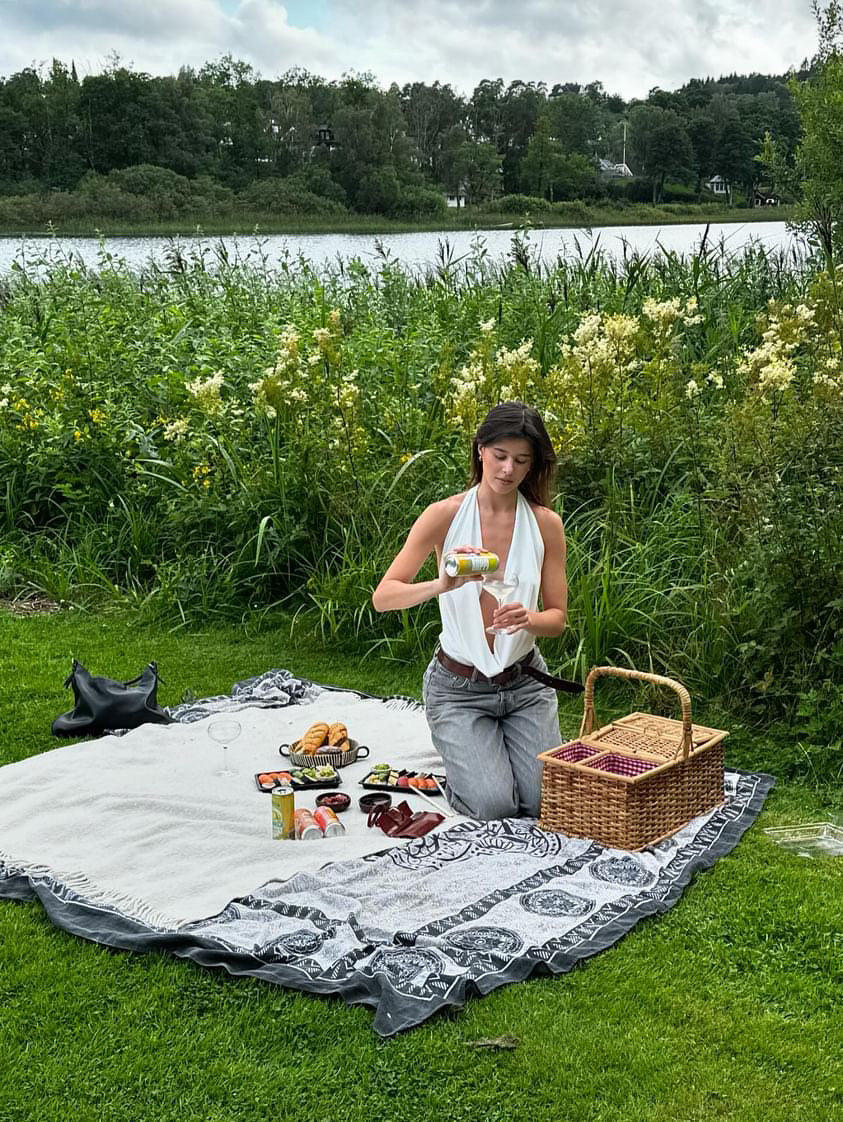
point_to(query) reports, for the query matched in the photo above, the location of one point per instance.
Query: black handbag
(103, 704)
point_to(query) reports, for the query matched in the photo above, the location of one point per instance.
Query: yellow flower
(97, 416)
(202, 475)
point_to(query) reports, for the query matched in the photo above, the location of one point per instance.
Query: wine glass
(502, 588)
(225, 731)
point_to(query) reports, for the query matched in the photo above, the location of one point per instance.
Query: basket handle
(589, 720)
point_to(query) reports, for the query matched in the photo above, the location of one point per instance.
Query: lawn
(728, 1007)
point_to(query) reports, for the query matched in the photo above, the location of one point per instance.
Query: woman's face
(506, 463)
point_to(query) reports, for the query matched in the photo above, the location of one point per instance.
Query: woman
(488, 717)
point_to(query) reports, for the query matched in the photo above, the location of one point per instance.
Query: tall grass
(700, 542)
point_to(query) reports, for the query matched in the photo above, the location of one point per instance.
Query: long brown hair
(514, 420)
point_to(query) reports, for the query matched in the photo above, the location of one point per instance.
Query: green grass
(466, 218)
(725, 1008)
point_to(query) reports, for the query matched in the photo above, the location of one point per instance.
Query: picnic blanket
(171, 860)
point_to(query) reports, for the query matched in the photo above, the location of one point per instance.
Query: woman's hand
(448, 584)
(511, 617)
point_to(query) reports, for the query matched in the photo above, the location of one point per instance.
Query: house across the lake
(614, 171)
(718, 185)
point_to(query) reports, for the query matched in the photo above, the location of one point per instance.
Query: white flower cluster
(606, 342)
(207, 394)
(771, 362)
(665, 313)
(281, 382)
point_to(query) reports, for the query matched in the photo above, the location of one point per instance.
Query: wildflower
(97, 416)
(487, 327)
(620, 329)
(78, 435)
(692, 389)
(207, 394)
(347, 390)
(202, 475)
(322, 337)
(715, 380)
(405, 459)
(663, 314)
(176, 430)
(587, 329)
(335, 320)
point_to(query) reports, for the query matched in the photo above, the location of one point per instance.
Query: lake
(416, 251)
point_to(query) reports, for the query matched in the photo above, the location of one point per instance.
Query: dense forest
(124, 143)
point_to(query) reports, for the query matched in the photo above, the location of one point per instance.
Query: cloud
(628, 45)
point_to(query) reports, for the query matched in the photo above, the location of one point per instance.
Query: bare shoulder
(550, 524)
(443, 511)
(435, 520)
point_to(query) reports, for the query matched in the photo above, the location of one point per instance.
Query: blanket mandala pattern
(423, 925)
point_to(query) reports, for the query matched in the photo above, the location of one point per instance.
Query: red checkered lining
(622, 765)
(573, 753)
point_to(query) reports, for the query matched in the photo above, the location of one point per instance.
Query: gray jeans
(489, 737)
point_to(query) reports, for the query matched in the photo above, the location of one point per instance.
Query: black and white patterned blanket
(421, 927)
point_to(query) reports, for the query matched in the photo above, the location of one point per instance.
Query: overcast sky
(628, 45)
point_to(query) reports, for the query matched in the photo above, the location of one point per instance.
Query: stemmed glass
(224, 732)
(502, 588)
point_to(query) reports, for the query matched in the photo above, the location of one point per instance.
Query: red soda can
(306, 828)
(328, 822)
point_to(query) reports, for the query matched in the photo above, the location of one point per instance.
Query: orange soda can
(328, 822)
(306, 828)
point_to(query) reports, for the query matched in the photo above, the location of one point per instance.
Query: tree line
(302, 143)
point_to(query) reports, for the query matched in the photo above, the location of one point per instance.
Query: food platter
(382, 777)
(300, 779)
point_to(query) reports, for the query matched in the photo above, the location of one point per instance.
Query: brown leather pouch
(400, 822)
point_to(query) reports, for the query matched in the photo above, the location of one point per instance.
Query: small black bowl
(374, 799)
(337, 800)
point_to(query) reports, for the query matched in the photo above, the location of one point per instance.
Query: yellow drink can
(463, 564)
(283, 814)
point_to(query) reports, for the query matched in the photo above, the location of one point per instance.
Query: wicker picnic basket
(635, 781)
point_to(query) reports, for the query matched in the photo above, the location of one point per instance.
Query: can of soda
(283, 814)
(463, 564)
(328, 822)
(306, 828)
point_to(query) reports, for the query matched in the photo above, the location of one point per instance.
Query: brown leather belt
(465, 670)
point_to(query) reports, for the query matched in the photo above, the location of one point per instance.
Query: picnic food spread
(291, 822)
(387, 778)
(301, 778)
(322, 735)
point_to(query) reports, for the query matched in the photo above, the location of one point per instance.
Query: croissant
(337, 732)
(313, 739)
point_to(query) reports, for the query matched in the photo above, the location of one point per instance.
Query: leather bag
(401, 822)
(102, 704)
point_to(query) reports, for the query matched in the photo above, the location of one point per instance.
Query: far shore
(467, 218)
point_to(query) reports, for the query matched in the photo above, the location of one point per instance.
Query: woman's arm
(397, 589)
(553, 618)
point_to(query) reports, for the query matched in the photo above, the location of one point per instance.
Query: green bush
(419, 202)
(519, 204)
(280, 196)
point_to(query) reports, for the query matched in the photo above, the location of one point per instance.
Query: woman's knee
(485, 805)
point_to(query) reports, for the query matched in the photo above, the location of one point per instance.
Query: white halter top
(463, 635)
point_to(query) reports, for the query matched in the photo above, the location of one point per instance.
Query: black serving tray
(432, 791)
(296, 784)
